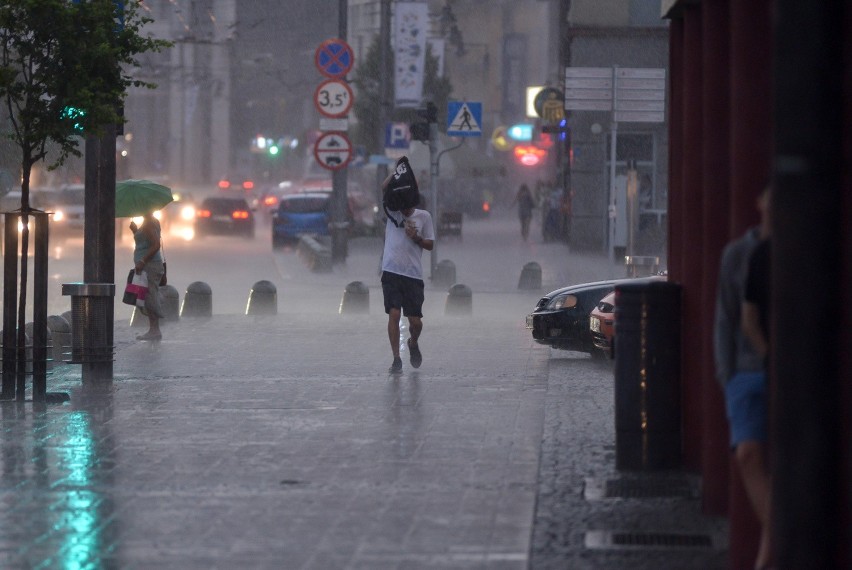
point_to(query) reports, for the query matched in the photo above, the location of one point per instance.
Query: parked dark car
(300, 214)
(561, 318)
(224, 215)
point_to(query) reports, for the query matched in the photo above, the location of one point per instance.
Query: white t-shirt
(402, 255)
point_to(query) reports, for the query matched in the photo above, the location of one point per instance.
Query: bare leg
(153, 324)
(415, 326)
(752, 462)
(393, 331)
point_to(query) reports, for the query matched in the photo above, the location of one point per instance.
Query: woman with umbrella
(142, 197)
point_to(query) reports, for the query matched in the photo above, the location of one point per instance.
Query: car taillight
(248, 185)
(270, 201)
(224, 184)
(203, 213)
(240, 215)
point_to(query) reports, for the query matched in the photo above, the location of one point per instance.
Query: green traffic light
(273, 150)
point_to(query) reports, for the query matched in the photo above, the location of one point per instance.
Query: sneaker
(416, 356)
(396, 367)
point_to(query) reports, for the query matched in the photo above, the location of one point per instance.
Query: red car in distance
(602, 322)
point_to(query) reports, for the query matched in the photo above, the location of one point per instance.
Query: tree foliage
(64, 72)
(436, 88)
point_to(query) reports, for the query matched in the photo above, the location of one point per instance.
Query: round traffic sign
(333, 150)
(548, 93)
(334, 58)
(333, 98)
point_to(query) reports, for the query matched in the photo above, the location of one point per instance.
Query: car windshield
(305, 205)
(218, 206)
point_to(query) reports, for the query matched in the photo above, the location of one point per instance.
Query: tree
(63, 74)
(436, 89)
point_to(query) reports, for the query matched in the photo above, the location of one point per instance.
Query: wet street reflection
(56, 483)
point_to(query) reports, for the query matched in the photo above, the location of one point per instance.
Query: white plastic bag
(140, 287)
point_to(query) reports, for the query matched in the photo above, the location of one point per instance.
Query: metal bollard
(530, 276)
(647, 376)
(197, 301)
(445, 273)
(60, 331)
(170, 303)
(459, 300)
(263, 299)
(356, 298)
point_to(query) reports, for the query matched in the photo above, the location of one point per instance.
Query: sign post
(333, 99)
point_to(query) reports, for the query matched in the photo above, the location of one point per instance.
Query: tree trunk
(27, 165)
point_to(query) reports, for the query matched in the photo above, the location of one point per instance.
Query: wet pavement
(281, 441)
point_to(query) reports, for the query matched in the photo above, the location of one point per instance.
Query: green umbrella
(138, 197)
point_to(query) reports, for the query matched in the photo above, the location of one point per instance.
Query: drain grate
(644, 488)
(616, 540)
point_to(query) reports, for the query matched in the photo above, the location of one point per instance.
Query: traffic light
(420, 129)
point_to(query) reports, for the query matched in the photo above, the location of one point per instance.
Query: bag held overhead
(400, 191)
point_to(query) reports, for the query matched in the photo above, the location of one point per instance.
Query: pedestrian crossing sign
(464, 119)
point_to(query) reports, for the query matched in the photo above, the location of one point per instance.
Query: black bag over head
(400, 191)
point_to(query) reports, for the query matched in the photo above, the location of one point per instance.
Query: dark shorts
(746, 401)
(404, 293)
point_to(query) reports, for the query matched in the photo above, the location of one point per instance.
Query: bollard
(170, 303)
(356, 298)
(445, 273)
(263, 299)
(137, 319)
(530, 276)
(647, 376)
(197, 301)
(459, 300)
(60, 331)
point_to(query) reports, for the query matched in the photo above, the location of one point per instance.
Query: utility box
(647, 376)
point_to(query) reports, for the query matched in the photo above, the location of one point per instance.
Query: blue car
(300, 214)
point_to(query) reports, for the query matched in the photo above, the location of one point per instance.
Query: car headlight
(187, 213)
(564, 301)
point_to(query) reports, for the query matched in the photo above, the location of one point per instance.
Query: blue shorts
(746, 401)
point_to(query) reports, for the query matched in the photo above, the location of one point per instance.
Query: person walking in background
(740, 371)
(525, 202)
(148, 257)
(408, 232)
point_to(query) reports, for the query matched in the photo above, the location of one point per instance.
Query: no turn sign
(333, 150)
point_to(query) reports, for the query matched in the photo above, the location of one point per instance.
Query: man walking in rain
(408, 232)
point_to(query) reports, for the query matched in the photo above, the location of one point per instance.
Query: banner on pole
(411, 24)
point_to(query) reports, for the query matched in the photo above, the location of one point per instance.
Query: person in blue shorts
(741, 372)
